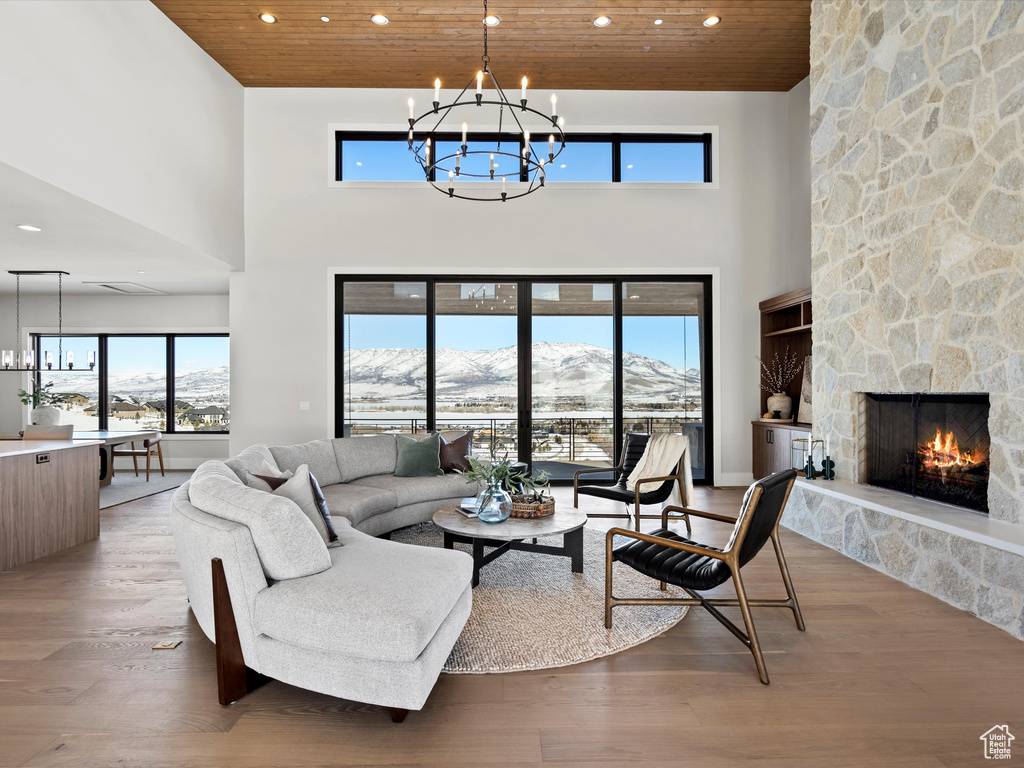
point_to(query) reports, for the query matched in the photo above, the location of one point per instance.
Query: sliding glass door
(573, 335)
(549, 371)
(477, 363)
(663, 362)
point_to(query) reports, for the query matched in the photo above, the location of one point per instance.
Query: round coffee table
(511, 535)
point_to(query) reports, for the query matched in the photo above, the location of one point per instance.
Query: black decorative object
(828, 468)
(809, 467)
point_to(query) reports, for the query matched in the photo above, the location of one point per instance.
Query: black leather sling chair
(696, 568)
(632, 449)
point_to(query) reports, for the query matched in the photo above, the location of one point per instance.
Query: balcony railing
(589, 442)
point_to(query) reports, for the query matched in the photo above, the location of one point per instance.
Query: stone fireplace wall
(917, 119)
(917, 114)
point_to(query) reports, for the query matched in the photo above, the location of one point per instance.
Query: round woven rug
(532, 612)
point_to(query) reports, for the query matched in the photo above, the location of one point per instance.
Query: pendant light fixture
(477, 170)
(19, 359)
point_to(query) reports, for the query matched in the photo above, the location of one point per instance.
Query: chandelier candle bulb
(465, 131)
(30, 358)
(6, 359)
(492, 166)
(451, 183)
(49, 360)
(71, 360)
(457, 156)
(92, 359)
(554, 106)
(551, 146)
(479, 85)
(412, 115)
(437, 91)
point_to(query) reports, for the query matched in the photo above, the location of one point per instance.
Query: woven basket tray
(526, 508)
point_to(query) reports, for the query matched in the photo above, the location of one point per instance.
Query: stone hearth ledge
(930, 514)
(966, 560)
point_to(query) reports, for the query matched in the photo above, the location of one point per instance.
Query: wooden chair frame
(636, 514)
(730, 556)
(137, 453)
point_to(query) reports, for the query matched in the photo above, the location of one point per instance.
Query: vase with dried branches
(774, 380)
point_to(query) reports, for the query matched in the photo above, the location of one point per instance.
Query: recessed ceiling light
(269, 18)
(657, 22)
(602, 21)
(380, 19)
(29, 228)
(324, 18)
(711, 21)
(491, 20)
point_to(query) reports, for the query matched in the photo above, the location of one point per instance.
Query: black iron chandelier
(468, 173)
(17, 359)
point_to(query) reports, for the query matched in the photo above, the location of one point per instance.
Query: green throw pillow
(419, 458)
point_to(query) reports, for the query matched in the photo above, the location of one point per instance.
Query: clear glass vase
(494, 505)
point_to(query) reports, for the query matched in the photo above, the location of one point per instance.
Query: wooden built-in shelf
(786, 324)
(788, 331)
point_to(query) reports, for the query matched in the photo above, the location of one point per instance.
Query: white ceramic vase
(782, 403)
(46, 415)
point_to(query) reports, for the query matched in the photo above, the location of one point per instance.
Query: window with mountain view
(77, 392)
(143, 374)
(550, 372)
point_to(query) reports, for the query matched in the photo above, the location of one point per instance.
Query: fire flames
(944, 455)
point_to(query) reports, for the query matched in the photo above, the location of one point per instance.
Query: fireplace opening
(934, 446)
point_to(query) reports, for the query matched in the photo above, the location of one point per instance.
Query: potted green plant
(42, 399)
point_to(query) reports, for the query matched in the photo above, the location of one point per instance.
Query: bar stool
(150, 447)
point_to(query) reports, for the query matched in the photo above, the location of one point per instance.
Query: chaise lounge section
(370, 620)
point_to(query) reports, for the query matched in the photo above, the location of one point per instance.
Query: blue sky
(660, 338)
(584, 161)
(145, 354)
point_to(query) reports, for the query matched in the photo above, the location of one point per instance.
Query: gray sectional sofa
(371, 620)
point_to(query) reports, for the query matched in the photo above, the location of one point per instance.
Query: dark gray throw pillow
(419, 458)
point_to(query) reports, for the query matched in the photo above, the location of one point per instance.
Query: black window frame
(102, 371)
(615, 139)
(524, 340)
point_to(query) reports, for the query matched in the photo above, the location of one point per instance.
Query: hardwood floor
(884, 676)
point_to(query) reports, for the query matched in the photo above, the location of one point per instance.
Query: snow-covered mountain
(560, 370)
(210, 384)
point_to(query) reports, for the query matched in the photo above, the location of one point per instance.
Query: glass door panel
(384, 332)
(663, 362)
(477, 364)
(573, 379)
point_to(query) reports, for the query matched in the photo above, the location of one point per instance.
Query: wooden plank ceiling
(760, 45)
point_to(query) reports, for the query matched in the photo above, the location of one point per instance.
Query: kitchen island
(49, 497)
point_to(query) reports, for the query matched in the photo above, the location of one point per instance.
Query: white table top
(564, 520)
(22, 447)
(108, 437)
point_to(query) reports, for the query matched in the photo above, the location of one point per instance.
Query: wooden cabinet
(785, 329)
(773, 446)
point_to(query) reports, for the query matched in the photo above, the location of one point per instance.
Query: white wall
(112, 314)
(113, 103)
(299, 232)
(800, 183)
